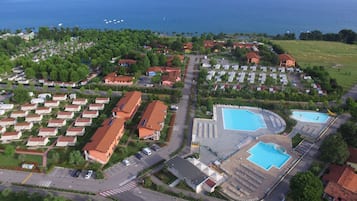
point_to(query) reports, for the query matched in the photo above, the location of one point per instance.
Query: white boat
(121, 20)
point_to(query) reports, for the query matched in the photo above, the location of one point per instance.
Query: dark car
(155, 147)
(76, 173)
(138, 156)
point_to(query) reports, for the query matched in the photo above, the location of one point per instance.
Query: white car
(126, 162)
(146, 151)
(89, 174)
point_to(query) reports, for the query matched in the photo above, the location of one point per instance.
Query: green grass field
(339, 58)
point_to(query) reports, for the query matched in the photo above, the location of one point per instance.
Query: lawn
(15, 161)
(339, 58)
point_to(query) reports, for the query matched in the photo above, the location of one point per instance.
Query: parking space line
(27, 178)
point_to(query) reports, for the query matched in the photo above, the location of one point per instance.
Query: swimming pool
(242, 119)
(310, 116)
(267, 155)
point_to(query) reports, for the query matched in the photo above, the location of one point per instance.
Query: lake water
(230, 16)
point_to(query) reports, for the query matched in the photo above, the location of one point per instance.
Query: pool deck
(217, 143)
(247, 181)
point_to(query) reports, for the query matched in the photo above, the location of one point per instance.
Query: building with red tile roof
(96, 106)
(44, 132)
(253, 57)
(170, 78)
(59, 97)
(64, 141)
(75, 131)
(43, 110)
(51, 103)
(341, 183)
(23, 126)
(72, 108)
(102, 100)
(7, 122)
(80, 101)
(114, 79)
(65, 115)
(19, 113)
(81, 122)
(90, 114)
(56, 123)
(127, 105)
(152, 121)
(8, 136)
(286, 60)
(104, 140)
(126, 62)
(28, 107)
(33, 118)
(187, 47)
(37, 141)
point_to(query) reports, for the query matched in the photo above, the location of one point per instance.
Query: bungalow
(65, 115)
(33, 118)
(96, 106)
(126, 62)
(8, 136)
(286, 60)
(253, 58)
(105, 139)
(37, 141)
(75, 131)
(28, 107)
(102, 100)
(114, 79)
(152, 121)
(44, 132)
(188, 172)
(7, 122)
(80, 101)
(187, 47)
(23, 126)
(128, 105)
(72, 108)
(56, 123)
(64, 141)
(52, 103)
(43, 110)
(19, 113)
(90, 114)
(59, 97)
(341, 183)
(6, 106)
(82, 122)
(37, 101)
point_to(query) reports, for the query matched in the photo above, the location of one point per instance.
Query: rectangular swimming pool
(242, 120)
(267, 155)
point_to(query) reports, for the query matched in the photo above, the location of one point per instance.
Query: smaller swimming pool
(310, 116)
(242, 120)
(267, 155)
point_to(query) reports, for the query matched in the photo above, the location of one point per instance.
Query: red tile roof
(14, 133)
(344, 176)
(251, 55)
(55, 121)
(128, 103)
(113, 77)
(37, 139)
(7, 120)
(285, 57)
(75, 129)
(210, 183)
(105, 135)
(66, 139)
(153, 116)
(48, 130)
(127, 61)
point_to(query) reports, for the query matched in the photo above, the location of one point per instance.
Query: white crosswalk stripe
(124, 188)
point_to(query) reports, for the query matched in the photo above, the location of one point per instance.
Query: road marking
(27, 178)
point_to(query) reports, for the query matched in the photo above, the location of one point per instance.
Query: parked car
(89, 174)
(147, 151)
(126, 162)
(76, 173)
(155, 147)
(138, 156)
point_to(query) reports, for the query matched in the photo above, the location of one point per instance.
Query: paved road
(143, 194)
(305, 163)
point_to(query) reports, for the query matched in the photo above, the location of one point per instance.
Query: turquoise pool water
(242, 120)
(310, 116)
(267, 155)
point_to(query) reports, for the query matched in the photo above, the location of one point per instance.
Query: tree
(176, 61)
(162, 60)
(21, 95)
(306, 186)
(30, 73)
(9, 150)
(349, 133)
(110, 92)
(76, 158)
(55, 157)
(334, 149)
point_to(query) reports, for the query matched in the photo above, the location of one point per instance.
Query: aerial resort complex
(159, 102)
